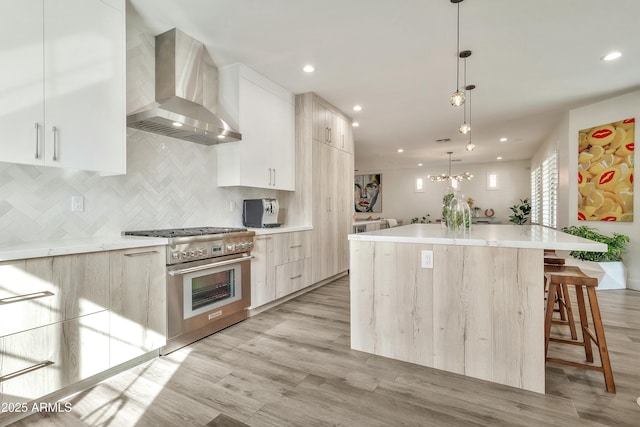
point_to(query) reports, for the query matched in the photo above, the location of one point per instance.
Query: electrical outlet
(77, 204)
(426, 258)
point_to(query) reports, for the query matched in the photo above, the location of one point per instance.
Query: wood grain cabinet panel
(40, 361)
(263, 287)
(292, 277)
(138, 302)
(40, 291)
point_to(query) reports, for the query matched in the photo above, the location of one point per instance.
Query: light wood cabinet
(137, 321)
(40, 291)
(63, 84)
(324, 197)
(39, 361)
(66, 318)
(331, 126)
(265, 115)
(292, 277)
(273, 269)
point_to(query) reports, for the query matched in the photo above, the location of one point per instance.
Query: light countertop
(367, 221)
(76, 246)
(510, 236)
(276, 230)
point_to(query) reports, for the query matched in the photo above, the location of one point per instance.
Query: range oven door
(206, 296)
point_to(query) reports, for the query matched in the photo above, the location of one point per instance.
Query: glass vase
(456, 213)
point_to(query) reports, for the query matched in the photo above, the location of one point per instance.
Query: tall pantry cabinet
(324, 181)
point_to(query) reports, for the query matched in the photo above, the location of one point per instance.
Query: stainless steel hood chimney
(178, 111)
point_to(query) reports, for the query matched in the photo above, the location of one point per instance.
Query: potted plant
(426, 219)
(520, 212)
(612, 274)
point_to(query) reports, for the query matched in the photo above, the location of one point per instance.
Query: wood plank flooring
(292, 366)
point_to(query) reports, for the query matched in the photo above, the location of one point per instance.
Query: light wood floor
(292, 366)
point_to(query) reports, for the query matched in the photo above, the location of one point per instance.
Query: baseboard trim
(272, 304)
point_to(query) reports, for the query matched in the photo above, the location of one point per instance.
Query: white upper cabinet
(265, 115)
(63, 86)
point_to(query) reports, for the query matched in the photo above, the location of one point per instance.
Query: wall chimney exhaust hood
(178, 111)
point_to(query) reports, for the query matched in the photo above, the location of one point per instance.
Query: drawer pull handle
(26, 370)
(141, 253)
(26, 297)
(295, 277)
(296, 246)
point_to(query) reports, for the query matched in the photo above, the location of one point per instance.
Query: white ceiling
(532, 61)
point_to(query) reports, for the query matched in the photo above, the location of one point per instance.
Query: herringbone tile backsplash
(169, 183)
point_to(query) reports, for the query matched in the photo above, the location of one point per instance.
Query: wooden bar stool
(562, 275)
(562, 295)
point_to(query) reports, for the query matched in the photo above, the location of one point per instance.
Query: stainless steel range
(208, 280)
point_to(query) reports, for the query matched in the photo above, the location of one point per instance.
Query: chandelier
(448, 176)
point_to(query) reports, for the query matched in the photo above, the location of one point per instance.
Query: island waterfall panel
(479, 312)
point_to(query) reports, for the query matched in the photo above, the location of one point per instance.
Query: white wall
(566, 137)
(400, 201)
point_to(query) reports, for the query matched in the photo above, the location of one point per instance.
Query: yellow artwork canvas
(605, 172)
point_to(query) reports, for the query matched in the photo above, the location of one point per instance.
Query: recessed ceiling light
(308, 68)
(400, 150)
(177, 124)
(503, 139)
(611, 56)
(419, 164)
(357, 107)
(499, 158)
(355, 124)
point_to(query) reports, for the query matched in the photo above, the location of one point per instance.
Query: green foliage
(617, 244)
(520, 212)
(426, 219)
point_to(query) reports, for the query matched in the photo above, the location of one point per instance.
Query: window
(544, 192)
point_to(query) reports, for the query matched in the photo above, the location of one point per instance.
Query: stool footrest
(575, 364)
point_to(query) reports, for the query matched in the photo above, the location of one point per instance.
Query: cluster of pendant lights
(458, 97)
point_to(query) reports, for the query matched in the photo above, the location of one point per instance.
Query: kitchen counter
(472, 306)
(276, 230)
(76, 246)
(508, 236)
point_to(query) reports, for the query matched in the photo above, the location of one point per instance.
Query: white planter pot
(611, 275)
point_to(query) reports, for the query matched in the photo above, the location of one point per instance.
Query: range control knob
(250, 245)
(175, 255)
(231, 247)
(243, 245)
(184, 254)
(192, 253)
(200, 252)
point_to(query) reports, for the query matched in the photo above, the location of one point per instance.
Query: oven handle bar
(213, 265)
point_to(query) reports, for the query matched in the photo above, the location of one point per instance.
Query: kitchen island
(472, 305)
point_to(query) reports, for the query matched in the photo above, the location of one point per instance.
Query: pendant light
(457, 97)
(465, 127)
(470, 145)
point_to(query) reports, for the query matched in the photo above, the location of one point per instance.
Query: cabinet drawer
(40, 291)
(42, 360)
(292, 277)
(291, 247)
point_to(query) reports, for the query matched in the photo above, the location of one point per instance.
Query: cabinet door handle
(55, 143)
(141, 253)
(295, 277)
(269, 176)
(37, 141)
(32, 368)
(326, 134)
(295, 246)
(25, 297)
(274, 177)
(330, 136)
